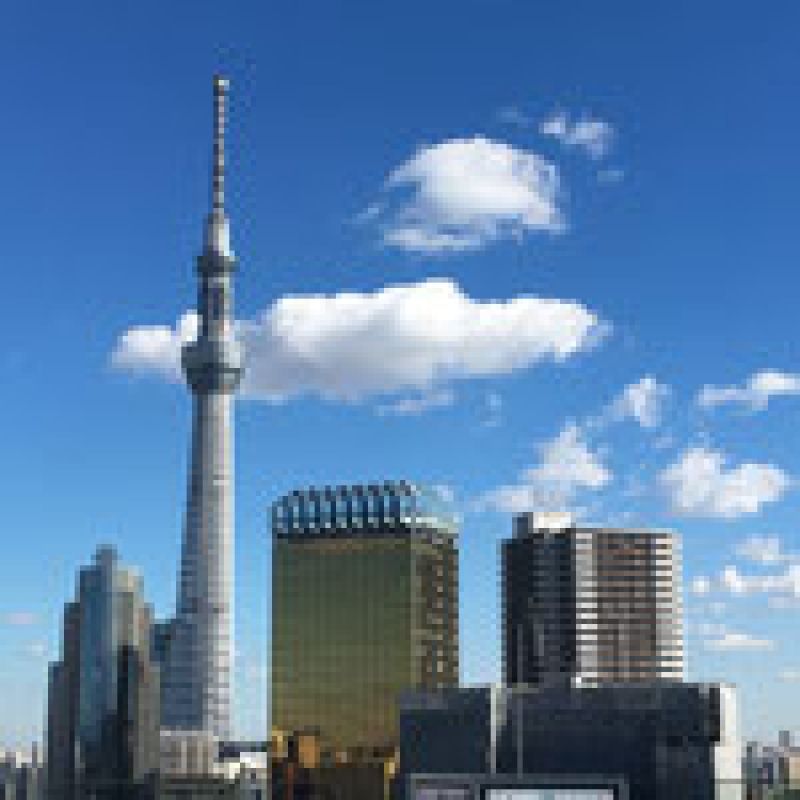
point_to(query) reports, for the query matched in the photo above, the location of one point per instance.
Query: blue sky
(409, 183)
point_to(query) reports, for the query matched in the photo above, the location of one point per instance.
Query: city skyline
(600, 316)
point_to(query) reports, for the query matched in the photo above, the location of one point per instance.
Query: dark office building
(659, 741)
(103, 712)
(365, 605)
(62, 712)
(590, 605)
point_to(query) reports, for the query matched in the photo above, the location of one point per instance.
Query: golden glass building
(364, 606)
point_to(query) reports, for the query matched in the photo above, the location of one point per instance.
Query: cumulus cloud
(155, 348)
(642, 401)
(566, 465)
(717, 636)
(700, 586)
(594, 136)
(462, 194)
(782, 583)
(781, 589)
(397, 340)
(765, 550)
(738, 641)
(756, 393)
(700, 484)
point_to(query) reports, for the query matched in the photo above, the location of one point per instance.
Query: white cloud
(782, 583)
(465, 193)
(790, 675)
(700, 484)
(400, 339)
(567, 462)
(416, 404)
(700, 586)
(155, 348)
(737, 641)
(782, 589)
(766, 550)
(566, 465)
(731, 580)
(755, 394)
(642, 401)
(19, 619)
(595, 136)
(717, 636)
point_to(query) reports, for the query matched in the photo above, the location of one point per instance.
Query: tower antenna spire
(218, 175)
(217, 229)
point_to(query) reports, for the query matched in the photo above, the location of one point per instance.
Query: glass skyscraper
(365, 605)
(103, 707)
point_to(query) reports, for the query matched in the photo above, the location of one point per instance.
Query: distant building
(365, 605)
(302, 770)
(186, 754)
(195, 764)
(21, 775)
(662, 741)
(772, 771)
(103, 707)
(205, 787)
(590, 605)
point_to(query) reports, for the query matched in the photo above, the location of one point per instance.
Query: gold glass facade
(364, 607)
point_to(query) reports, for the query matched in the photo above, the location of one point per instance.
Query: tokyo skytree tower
(198, 662)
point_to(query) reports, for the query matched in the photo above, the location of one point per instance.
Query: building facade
(103, 705)
(660, 741)
(199, 674)
(591, 605)
(21, 775)
(364, 606)
(772, 771)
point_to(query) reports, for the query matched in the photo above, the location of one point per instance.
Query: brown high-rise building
(591, 605)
